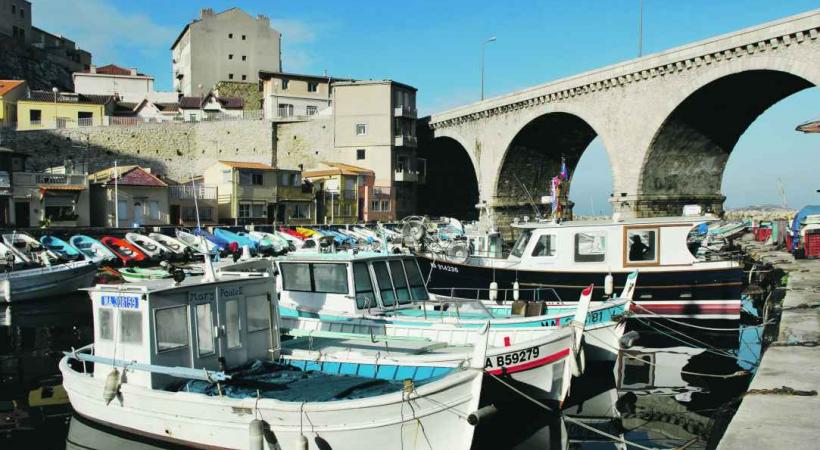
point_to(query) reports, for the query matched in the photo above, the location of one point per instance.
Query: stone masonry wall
(171, 149)
(307, 143)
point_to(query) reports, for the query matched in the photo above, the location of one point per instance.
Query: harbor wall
(172, 149)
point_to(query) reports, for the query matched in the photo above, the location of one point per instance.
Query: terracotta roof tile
(129, 176)
(337, 168)
(246, 165)
(7, 86)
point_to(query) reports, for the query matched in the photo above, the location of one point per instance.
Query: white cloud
(294, 31)
(109, 34)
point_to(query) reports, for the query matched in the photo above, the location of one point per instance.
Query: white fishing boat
(179, 249)
(29, 249)
(182, 362)
(277, 243)
(92, 249)
(151, 247)
(47, 281)
(199, 245)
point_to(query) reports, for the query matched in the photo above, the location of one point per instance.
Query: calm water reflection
(660, 393)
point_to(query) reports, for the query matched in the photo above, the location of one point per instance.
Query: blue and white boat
(92, 248)
(205, 369)
(60, 247)
(241, 240)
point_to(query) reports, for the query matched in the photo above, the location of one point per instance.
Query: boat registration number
(511, 358)
(120, 301)
(445, 267)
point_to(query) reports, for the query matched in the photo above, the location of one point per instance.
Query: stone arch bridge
(668, 121)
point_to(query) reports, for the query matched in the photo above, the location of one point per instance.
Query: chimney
(133, 71)
(264, 19)
(92, 69)
(206, 12)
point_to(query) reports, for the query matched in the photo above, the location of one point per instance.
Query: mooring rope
(699, 327)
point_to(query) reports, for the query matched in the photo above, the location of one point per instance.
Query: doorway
(174, 212)
(21, 214)
(138, 213)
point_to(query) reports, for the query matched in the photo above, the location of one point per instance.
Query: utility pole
(640, 28)
(483, 48)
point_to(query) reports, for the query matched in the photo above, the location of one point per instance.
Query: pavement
(782, 406)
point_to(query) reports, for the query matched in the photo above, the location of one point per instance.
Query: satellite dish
(458, 251)
(413, 231)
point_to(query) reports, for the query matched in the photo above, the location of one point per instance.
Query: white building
(130, 85)
(227, 46)
(294, 95)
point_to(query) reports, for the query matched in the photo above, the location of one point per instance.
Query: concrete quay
(773, 414)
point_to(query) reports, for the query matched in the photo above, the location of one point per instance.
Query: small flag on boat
(564, 172)
(556, 181)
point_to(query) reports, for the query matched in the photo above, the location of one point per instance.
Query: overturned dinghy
(173, 387)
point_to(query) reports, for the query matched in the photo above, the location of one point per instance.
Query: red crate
(762, 234)
(812, 244)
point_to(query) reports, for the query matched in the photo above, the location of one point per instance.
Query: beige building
(337, 187)
(58, 197)
(287, 95)
(128, 84)
(10, 92)
(140, 198)
(185, 199)
(230, 46)
(246, 191)
(295, 201)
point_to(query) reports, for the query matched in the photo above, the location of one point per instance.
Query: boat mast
(116, 197)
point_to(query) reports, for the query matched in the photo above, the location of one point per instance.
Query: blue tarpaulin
(807, 210)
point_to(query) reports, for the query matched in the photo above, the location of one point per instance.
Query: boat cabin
(348, 283)
(190, 325)
(608, 246)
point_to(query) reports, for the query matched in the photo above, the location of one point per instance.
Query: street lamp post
(483, 48)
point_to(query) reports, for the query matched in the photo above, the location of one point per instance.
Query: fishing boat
(60, 247)
(152, 248)
(562, 258)
(241, 240)
(29, 248)
(201, 246)
(193, 386)
(92, 248)
(31, 283)
(125, 251)
(220, 242)
(275, 242)
(181, 250)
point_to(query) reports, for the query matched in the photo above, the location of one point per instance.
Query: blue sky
(435, 46)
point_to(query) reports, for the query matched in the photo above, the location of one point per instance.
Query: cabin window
(131, 327)
(296, 277)
(365, 298)
(417, 287)
(232, 325)
(384, 283)
(400, 281)
(642, 245)
(204, 329)
(258, 313)
(330, 278)
(171, 328)
(590, 247)
(545, 246)
(106, 330)
(521, 243)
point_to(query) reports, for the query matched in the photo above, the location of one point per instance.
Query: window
(232, 324)
(244, 57)
(85, 118)
(521, 243)
(375, 205)
(590, 247)
(60, 213)
(230, 76)
(226, 176)
(365, 298)
(13, 9)
(301, 211)
(153, 209)
(131, 327)
(230, 56)
(35, 116)
(244, 210)
(545, 246)
(106, 321)
(296, 277)
(243, 37)
(417, 286)
(244, 77)
(400, 281)
(122, 207)
(385, 205)
(284, 179)
(285, 84)
(258, 313)
(313, 86)
(250, 178)
(204, 329)
(285, 110)
(360, 153)
(642, 245)
(330, 278)
(230, 35)
(311, 110)
(384, 283)
(171, 328)
(361, 129)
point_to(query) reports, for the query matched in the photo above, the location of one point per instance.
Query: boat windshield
(521, 243)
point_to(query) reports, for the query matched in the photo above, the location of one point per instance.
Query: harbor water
(677, 386)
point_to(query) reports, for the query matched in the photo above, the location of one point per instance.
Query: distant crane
(782, 191)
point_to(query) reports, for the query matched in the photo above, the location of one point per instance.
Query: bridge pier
(646, 205)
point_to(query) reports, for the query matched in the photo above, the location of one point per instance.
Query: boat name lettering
(444, 267)
(120, 301)
(594, 316)
(200, 296)
(230, 292)
(513, 358)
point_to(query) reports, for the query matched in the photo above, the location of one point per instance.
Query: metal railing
(36, 178)
(187, 192)
(471, 294)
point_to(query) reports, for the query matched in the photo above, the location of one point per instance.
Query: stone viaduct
(668, 121)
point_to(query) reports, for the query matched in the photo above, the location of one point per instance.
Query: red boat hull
(125, 251)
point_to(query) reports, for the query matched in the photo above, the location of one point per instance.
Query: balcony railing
(5, 180)
(36, 178)
(294, 193)
(404, 111)
(405, 140)
(406, 175)
(187, 192)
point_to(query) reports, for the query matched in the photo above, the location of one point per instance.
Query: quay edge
(770, 414)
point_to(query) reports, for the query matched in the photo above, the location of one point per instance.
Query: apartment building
(246, 191)
(227, 46)
(287, 95)
(43, 110)
(127, 83)
(128, 196)
(59, 196)
(337, 191)
(190, 198)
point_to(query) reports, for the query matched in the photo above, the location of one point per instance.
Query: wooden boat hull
(694, 294)
(391, 421)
